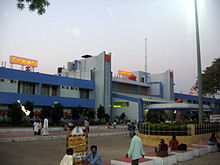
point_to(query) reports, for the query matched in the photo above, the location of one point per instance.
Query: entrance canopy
(176, 106)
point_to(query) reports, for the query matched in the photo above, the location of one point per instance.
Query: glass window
(26, 88)
(84, 93)
(45, 90)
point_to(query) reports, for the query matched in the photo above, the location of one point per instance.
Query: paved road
(51, 152)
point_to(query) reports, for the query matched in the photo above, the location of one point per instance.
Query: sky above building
(72, 28)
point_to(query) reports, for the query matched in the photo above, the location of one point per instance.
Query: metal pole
(145, 66)
(198, 66)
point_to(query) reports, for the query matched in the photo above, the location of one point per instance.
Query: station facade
(89, 82)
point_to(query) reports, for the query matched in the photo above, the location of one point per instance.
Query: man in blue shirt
(92, 158)
(136, 149)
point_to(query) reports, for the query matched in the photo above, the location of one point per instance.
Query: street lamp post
(199, 72)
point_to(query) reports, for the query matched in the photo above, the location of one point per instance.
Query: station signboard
(23, 61)
(122, 72)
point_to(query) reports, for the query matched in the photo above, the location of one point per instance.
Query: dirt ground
(51, 152)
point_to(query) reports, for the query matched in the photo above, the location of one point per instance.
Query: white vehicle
(214, 118)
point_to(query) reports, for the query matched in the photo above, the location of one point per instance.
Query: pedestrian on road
(40, 128)
(114, 124)
(86, 124)
(136, 149)
(132, 127)
(45, 128)
(36, 127)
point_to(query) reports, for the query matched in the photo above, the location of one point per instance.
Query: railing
(207, 128)
(179, 129)
(165, 129)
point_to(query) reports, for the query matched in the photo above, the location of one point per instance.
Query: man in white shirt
(45, 128)
(136, 149)
(86, 124)
(36, 127)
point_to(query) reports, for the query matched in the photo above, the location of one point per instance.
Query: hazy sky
(71, 28)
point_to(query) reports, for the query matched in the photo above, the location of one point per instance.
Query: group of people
(135, 151)
(136, 148)
(39, 129)
(112, 124)
(162, 149)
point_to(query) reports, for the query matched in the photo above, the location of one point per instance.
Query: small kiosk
(76, 147)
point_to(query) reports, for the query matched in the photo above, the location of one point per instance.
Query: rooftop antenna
(145, 65)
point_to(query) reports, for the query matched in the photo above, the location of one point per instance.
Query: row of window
(8, 80)
(48, 90)
(70, 88)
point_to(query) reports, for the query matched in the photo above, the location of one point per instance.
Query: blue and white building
(89, 83)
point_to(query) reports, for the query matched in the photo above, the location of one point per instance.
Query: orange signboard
(23, 61)
(124, 72)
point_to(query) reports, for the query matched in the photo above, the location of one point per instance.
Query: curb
(55, 137)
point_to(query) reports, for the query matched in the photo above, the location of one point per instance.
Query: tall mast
(145, 65)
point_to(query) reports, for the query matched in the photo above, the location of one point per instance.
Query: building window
(84, 93)
(65, 87)
(54, 90)
(26, 88)
(45, 90)
(120, 104)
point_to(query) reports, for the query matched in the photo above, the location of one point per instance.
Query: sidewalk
(12, 134)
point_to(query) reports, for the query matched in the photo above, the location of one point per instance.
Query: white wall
(69, 93)
(8, 87)
(131, 112)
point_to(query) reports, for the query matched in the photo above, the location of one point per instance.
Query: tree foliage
(45, 112)
(33, 5)
(76, 112)
(15, 113)
(122, 116)
(57, 112)
(101, 112)
(88, 113)
(211, 79)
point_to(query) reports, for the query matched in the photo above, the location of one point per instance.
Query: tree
(89, 113)
(211, 79)
(45, 112)
(15, 113)
(122, 116)
(33, 5)
(76, 112)
(101, 112)
(57, 112)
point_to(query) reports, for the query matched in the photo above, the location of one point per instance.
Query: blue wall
(45, 78)
(41, 100)
(194, 98)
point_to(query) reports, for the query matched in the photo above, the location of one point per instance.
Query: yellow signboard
(124, 72)
(23, 61)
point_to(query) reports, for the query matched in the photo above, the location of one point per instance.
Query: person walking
(45, 128)
(133, 127)
(36, 127)
(86, 124)
(136, 149)
(40, 128)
